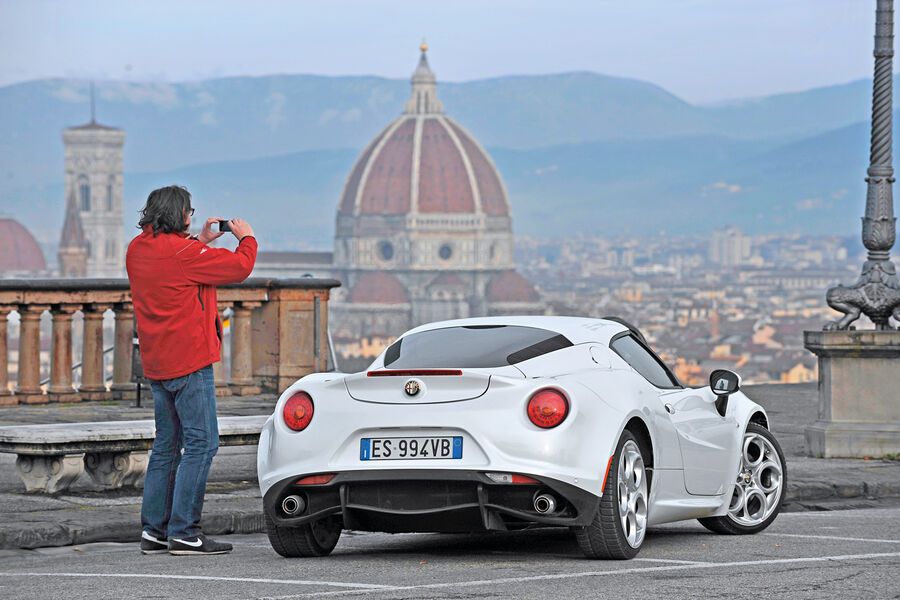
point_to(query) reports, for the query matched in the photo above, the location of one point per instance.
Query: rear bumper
(433, 500)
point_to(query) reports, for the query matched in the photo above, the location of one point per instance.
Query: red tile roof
(19, 251)
(387, 186)
(444, 185)
(385, 172)
(493, 198)
(379, 288)
(509, 286)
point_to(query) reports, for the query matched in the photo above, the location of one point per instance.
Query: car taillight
(298, 411)
(547, 408)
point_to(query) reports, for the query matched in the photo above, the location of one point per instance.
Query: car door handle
(669, 409)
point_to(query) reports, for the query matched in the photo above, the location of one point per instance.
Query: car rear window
(473, 347)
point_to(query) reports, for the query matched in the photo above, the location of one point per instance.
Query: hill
(174, 125)
(640, 187)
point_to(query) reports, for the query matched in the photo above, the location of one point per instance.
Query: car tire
(311, 539)
(620, 524)
(760, 488)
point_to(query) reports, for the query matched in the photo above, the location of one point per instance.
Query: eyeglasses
(192, 212)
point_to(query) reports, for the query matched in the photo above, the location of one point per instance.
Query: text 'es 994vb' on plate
(406, 448)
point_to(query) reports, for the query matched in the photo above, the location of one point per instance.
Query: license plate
(406, 448)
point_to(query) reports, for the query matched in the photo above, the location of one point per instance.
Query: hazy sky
(701, 50)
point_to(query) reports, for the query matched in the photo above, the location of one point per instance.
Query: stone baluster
(242, 349)
(6, 397)
(61, 388)
(222, 388)
(28, 388)
(93, 384)
(122, 386)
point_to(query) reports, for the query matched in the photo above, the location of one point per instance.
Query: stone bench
(114, 453)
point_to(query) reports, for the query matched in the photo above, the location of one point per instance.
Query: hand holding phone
(207, 234)
(240, 228)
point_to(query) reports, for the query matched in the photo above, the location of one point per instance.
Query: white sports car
(503, 423)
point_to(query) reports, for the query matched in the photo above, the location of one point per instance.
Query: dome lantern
(423, 100)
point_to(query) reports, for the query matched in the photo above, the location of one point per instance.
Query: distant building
(423, 231)
(93, 162)
(72, 253)
(20, 254)
(801, 373)
(730, 247)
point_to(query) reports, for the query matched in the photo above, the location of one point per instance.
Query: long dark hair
(165, 209)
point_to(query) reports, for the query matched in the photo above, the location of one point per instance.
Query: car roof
(578, 330)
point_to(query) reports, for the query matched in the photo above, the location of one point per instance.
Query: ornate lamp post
(859, 399)
(877, 292)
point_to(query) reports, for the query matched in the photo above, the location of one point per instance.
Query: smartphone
(224, 226)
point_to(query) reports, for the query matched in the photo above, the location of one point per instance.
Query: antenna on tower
(93, 115)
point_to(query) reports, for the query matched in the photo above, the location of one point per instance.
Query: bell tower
(93, 158)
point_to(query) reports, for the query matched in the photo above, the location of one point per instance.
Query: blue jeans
(185, 410)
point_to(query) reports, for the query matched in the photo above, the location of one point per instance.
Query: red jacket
(173, 279)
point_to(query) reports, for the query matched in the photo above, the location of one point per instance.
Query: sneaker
(199, 544)
(152, 545)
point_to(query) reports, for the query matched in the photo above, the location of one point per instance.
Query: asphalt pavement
(85, 514)
(803, 555)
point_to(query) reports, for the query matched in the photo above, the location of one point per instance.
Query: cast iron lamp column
(877, 292)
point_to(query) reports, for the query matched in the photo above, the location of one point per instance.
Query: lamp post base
(859, 393)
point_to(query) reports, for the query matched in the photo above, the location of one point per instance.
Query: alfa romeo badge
(412, 387)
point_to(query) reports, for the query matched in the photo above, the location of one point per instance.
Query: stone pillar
(28, 388)
(859, 393)
(219, 367)
(93, 384)
(122, 386)
(61, 388)
(290, 336)
(242, 350)
(6, 397)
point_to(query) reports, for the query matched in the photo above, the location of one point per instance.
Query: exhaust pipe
(544, 503)
(292, 505)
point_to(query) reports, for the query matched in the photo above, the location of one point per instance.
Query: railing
(78, 365)
(279, 333)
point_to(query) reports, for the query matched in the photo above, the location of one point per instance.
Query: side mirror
(723, 383)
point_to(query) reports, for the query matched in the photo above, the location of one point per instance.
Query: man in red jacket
(173, 278)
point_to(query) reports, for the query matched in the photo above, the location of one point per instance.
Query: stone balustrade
(278, 334)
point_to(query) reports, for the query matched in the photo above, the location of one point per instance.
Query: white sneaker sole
(190, 552)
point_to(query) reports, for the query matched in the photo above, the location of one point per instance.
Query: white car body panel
(696, 452)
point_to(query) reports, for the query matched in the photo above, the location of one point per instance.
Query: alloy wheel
(759, 482)
(632, 492)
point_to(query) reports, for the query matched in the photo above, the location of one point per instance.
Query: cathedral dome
(424, 195)
(19, 251)
(424, 162)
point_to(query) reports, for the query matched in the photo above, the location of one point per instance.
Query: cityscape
(424, 233)
(641, 256)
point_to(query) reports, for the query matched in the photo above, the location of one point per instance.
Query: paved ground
(84, 514)
(840, 554)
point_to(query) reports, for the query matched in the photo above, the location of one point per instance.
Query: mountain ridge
(578, 151)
